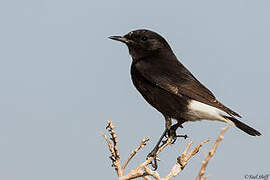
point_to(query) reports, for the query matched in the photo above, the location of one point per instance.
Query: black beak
(119, 38)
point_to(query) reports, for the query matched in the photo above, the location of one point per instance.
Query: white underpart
(199, 111)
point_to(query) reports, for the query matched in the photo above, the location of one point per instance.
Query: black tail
(243, 126)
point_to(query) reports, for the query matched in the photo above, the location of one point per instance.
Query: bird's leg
(168, 122)
(172, 132)
(153, 153)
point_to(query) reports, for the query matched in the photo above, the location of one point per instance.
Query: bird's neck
(138, 54)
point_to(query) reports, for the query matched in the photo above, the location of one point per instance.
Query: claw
(184, 136)
(172, 133)
(173, 141)
(154, 162)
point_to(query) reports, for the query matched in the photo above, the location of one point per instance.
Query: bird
(167, 85)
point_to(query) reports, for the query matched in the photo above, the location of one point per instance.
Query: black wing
(172, 76)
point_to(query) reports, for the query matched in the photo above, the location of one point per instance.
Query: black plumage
(169, 87)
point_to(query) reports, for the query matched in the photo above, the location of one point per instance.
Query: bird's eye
(144, 38)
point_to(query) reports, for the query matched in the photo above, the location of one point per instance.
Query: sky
(62, 78)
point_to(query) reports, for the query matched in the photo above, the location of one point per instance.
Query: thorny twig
(210, 155)
(142, 170)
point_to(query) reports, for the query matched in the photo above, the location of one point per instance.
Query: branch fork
(142, 170)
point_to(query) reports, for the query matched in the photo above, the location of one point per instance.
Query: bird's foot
(174, 136)
(153, 154)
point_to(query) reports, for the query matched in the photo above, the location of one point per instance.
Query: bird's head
(143, 42)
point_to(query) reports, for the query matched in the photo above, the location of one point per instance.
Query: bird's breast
(165, 102)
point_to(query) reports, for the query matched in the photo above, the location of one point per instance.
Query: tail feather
(243, 126)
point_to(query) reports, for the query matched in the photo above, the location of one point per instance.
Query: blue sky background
(61, 79)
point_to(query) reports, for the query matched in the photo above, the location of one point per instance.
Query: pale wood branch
(146, 178)
(113, 147)
(142, 170)
(210, 155)
(142, 144)
(183, 160)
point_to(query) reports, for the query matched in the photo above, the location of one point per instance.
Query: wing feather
(175, 78)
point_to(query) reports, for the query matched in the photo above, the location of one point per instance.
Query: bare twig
(147, 178)
(183, 160)
(142, 144)
(210, 154)
(115, 156)
(154, 174)
(142, 170)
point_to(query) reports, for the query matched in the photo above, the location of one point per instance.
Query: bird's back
(164, 71)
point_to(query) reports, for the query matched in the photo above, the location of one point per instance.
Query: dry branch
(142, 170)
(115, 156)
(142, 144)
(210, 155)
(183, 160)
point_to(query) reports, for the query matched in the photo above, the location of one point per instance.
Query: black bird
(170, 88)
